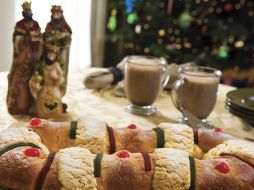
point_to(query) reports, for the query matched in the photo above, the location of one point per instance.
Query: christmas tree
(212, 33)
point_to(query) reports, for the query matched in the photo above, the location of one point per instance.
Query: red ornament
(35, 121)
(218, 130)
(32, 152)
(222, 167)
(228, 7)
(132, 126)
(123, 154)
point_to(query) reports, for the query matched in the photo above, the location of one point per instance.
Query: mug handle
(166, 73)
(175, 93)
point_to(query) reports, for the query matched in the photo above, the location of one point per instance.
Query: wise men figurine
(47, 94)
(27, 51)
(58, 33)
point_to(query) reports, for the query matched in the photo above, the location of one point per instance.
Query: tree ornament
(239, 44)
(228, 7)
(138, 29)
(185, 20)
(162, 32)
(129, 4)
(146, 50)
(222, 53)
(112, 21)
(132, 18)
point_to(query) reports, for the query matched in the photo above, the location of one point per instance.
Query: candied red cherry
(222, 167)
(123, 154)
(32, 152)
(218, 130)
(35, 121)
(132, 126)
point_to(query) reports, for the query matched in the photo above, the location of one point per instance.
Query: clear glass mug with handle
(145, 77)
(196, 91)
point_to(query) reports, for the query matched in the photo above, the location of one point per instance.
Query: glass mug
(196, 90)
(145, 77)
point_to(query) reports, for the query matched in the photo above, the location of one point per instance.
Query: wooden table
(84, 103)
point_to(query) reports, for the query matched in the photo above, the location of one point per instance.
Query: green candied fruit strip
(73, 129)
(97, 165)
(160, 137)
(193, 173)
(13, 146)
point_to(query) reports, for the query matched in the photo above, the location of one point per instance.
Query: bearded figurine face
(57, 15)
(57, 12)
(27, 14)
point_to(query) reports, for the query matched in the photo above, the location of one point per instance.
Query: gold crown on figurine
(56, 8)
(52, 48)
(26, 5)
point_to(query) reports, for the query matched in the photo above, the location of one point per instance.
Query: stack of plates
(241, 103)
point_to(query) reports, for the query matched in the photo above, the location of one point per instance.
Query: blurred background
(216, 33)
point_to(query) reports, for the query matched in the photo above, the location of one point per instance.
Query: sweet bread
(28, 168)
(69, 155)
(98, 136)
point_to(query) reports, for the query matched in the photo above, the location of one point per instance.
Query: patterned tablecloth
(101, 104)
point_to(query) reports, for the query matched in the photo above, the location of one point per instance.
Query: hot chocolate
(196, 90)
(144, 78)
(198, 93)
(143, 84)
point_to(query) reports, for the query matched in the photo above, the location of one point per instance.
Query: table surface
(101, 104)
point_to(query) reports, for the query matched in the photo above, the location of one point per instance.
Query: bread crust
(73, 168)
(18, 171)
(172, 169)
(76, 169)
(91, 134)
(240, 176)
(51, 181)
(55, 135)
(237, 147)
(135, 140)
(179, 136)
(24, 135)
(125, 173)
(209, 139)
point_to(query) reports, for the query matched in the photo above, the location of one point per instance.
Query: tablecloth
(101, 104)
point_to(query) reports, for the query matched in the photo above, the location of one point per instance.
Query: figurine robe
(27, 44)
(58, 33)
